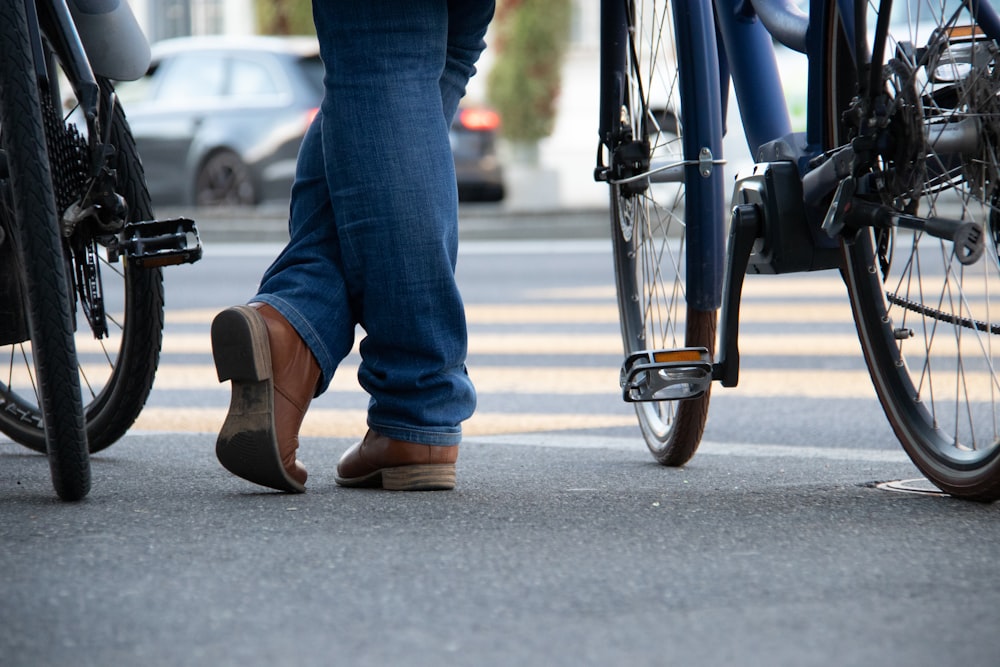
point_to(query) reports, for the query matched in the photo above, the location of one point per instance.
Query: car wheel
(224, 180)
(480, 192)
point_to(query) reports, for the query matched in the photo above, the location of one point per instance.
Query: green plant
(285, 17)
(530, 39)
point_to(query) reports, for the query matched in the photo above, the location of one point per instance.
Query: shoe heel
(240, 345)
(435, 477)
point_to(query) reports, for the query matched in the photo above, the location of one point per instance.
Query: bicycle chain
(942, 316)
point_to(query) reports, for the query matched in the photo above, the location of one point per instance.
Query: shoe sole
(433, 477)
(248, 445)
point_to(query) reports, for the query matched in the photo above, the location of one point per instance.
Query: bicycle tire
(648, 232)
(39, 256)
(926, 324)
(116, 372)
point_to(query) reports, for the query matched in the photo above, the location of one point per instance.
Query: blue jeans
(374, 211)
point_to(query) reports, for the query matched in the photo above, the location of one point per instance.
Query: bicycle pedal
(666, 375)
(153, 243)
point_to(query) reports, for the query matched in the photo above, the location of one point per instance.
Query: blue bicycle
(895, 183)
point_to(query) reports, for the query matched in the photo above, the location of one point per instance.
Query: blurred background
(219, 117)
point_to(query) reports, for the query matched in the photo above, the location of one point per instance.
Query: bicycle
(80, 334)
(895, 183)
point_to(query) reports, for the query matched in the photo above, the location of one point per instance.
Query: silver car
(218, 122)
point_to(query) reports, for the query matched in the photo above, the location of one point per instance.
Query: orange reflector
(676, 355)
(966, 31)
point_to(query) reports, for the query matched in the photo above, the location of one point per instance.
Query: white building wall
(141, 10)
(237, 17)
(564, 176)
(226, 17)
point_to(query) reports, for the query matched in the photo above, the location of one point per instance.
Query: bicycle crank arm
(850, 212)
(967, 236)
(666, 375)
(157, 243)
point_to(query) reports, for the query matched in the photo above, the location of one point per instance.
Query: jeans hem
(419, 436)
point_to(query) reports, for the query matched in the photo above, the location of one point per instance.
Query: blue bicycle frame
(726, 27)
(703, 130)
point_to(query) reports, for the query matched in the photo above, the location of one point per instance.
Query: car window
(250, 79)
(132, 92)
(193, 77)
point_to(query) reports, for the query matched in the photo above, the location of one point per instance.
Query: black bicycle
(81, 288)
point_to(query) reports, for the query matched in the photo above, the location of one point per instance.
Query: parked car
(473, 144)
(218, 122)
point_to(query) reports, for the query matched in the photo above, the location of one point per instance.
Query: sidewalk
(269, 224)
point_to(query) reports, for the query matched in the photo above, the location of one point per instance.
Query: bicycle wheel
(648, 226)
(119, 308)
(29, 206)
(929, 324)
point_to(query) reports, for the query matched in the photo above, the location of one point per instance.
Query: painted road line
(344, 423)
(577, 381)
(594, 313)
(706, 448)
(573, 381)
(783, 344)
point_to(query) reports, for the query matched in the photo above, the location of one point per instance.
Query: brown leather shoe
(274, 377)
(397, 465)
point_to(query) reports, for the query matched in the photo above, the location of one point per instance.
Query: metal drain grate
(919, 485)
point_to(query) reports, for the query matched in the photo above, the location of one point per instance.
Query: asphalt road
(563, 544)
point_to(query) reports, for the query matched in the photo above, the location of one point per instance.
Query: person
(373, 226)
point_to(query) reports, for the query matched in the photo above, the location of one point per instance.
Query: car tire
(481, 193)
(224, 180)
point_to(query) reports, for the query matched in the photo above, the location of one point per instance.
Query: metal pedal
(157, 243)
(666, 375)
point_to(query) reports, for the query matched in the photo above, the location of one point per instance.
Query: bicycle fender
(114, 42)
